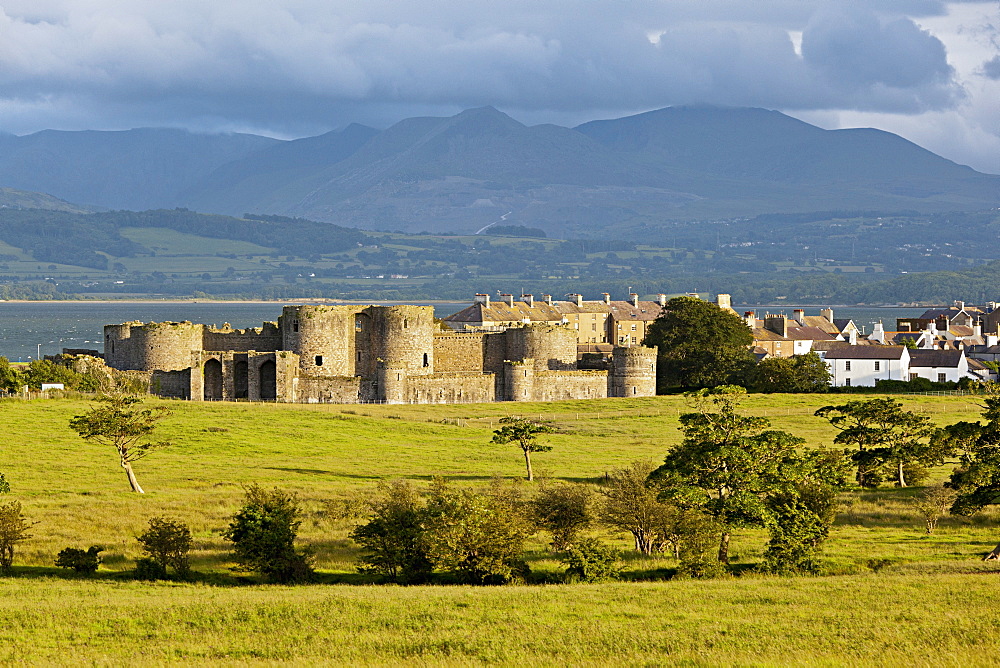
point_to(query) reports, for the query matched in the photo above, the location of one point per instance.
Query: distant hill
(621, 178)
(132, 169)
(23, 199)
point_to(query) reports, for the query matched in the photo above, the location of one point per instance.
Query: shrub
(4, 485)
(393, 539)
(81, 561)
(934, 502)
(589, 560)
(698, 546)
(147, 569)
(263, 535)
(167, 542)
(800, 522)
(563, 510)
(13, 529)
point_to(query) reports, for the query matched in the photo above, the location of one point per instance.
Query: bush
(81, 561)
(167, 542)
(393, 538)
(4, 485)
(147, 569)
(589, 560)
(698, 546)
(13, 529)
(263, 535)
(563, 510)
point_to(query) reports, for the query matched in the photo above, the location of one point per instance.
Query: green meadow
(889, 594)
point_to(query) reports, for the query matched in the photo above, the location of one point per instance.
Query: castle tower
(322, 336)
(403, 337)
(633, 372)
(519, 380)
(161, 346)
(551, 347)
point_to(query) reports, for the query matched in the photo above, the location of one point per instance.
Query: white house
(939, 366)
(864, 365)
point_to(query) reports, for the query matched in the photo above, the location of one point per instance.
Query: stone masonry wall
(564, 385)
(327, 390)
(263, 339)
(450, 388)
(459, 352)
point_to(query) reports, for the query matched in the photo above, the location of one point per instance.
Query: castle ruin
(351, 354)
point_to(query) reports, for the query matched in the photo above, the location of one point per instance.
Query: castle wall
(450, 388)
(405, 336)
(459, 352)
(322, 336)
(339, 390)
(564, 385)
(265, 338)
(633, 372)
(173, 384)
(165, 346)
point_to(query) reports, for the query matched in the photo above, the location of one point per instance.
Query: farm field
(891, 594)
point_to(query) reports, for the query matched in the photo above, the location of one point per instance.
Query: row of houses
(942, 344)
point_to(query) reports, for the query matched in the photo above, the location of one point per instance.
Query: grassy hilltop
(892, 594)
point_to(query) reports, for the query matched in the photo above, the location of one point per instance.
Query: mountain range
(607, 178)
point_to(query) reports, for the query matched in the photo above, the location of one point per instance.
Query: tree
(589, 560)
(800, 520)
(934, 502)
(167, 542)
(564, 510)
(117, 421)
(631, 503)
(393, 538)
(699, 345)
(263, 535)
(731, 465)
(14, 528)
(4, 485)
(525, 434)
(81, 561)
(10, 377)
(478, 537)
(884, 434)
(801, 373)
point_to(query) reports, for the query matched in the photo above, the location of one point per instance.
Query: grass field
(892, 594)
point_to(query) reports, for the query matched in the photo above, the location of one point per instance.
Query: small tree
(263, 535)
(118, 422)
(393, 538)
(631, 504)
(167, 542)
(479, 537)
(799, 522)
(14, 528)
(525, 434)
(4, 485)
(564, 510)
(933, 503)
(81, 561)
(589, 560)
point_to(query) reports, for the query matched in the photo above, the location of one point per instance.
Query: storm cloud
(293, 67)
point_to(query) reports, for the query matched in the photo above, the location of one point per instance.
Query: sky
(928, 70)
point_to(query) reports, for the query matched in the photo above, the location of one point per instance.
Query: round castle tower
(404, 337)
(163, 346)
(551, 347)
(633, 371)
(322, 336)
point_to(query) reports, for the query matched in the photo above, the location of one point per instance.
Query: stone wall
(565, 385)
(327, 390)
(174, 384)
(164, 346)
(552, 347)
(460, 352)
(450, 388)
(266, 338)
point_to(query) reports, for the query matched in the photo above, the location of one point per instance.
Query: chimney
(576, 299)
(528, 299)
(750, 318)
(724, 301)
(661, 300)
(852, 337)
(607, 297)
(776, 324)
(827, 313)
(959, 305)
(977, 329)
(633, 299)
(481, 299)
(547, 299)
(507, 299)
(799, 316)
(878, 333)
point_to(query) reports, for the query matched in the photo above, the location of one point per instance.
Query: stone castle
(352, 354)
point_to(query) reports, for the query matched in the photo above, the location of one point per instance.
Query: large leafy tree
(885, 435)
(117, 420)
(525, 434)
(700, 345)
(801, 373)
(263, 535)
(738, 470)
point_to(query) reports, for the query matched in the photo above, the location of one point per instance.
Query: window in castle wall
(406, 323)
(357, 325)
(426, 361)
(319, 360)
(295, 325)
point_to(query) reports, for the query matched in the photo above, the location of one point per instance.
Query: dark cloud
(298, 66)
